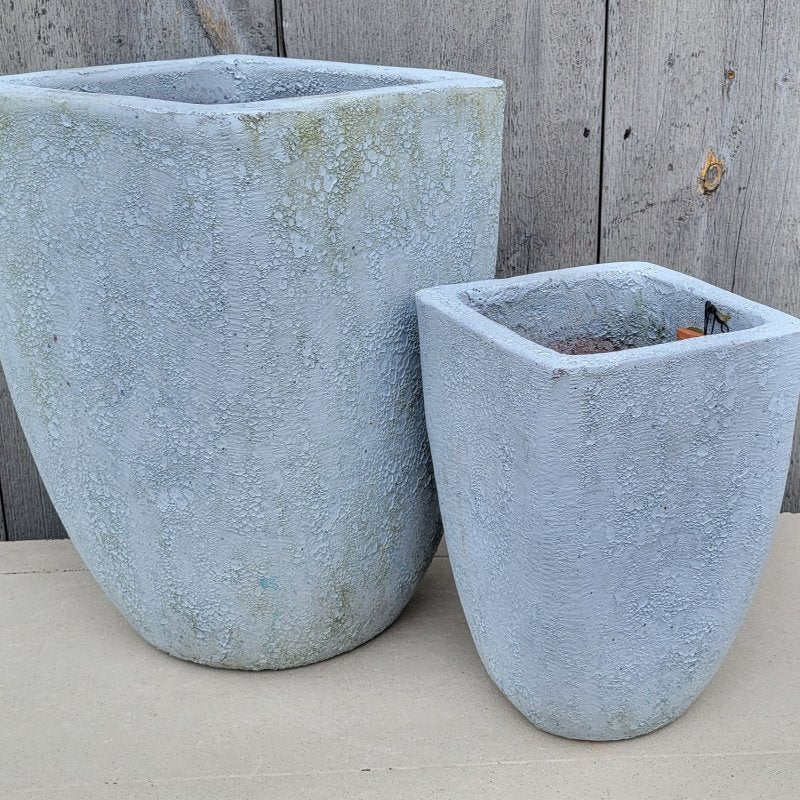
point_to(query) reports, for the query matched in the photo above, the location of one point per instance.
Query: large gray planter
(607, 516)
(207, 275)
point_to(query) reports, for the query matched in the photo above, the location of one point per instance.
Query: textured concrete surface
(89, 711)
(207, 326)
(607, 515)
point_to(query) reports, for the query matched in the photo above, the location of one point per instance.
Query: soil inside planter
(587, 345)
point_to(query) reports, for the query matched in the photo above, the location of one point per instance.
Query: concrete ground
(89, 710)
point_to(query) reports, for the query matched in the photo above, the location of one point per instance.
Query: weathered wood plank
(41, 35)
(549, 53)
(37, 34)
(27, 509)
(238, 26)
(686, 80)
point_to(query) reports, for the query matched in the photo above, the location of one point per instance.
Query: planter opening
(225, 81)
(599, 313)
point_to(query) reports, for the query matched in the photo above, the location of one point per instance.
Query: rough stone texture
(608, 515)
(208, 330)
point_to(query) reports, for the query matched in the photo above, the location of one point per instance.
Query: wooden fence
(667, 132)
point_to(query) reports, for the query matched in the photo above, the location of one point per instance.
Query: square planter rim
(415, 81)
(452, 302)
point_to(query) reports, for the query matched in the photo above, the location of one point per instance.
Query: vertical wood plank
(687, 81)
(549, 53)
(27, 510)
(43, 35)
(238, 26)
(37, 35)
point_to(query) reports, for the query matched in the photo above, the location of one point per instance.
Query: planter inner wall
(638, 310)
(222, 82)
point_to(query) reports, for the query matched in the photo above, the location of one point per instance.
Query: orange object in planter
(688, 333)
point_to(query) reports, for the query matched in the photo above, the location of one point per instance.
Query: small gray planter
(607, 516)
(207, 276)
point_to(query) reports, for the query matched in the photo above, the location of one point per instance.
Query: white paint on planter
(607, 516)
(207, 276)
